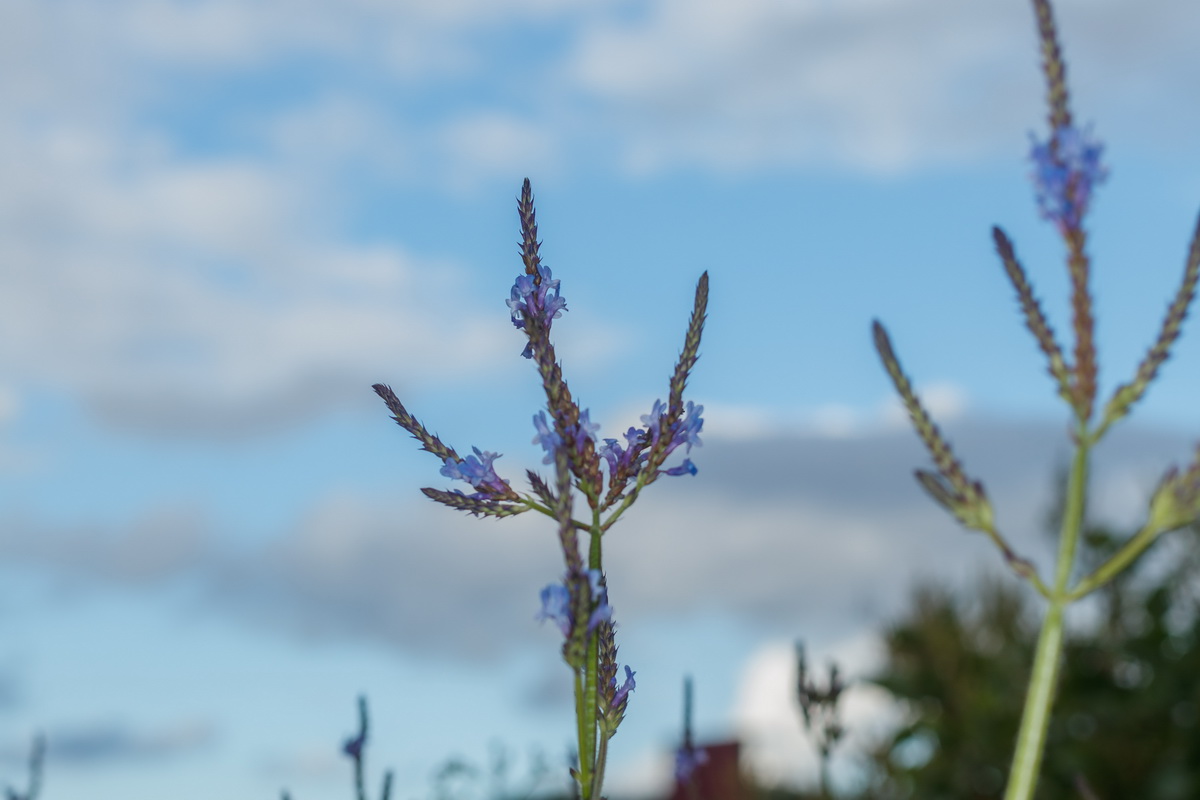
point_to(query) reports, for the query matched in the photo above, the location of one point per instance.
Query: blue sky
(221, 222)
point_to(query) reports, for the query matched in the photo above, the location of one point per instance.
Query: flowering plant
(608, 474)
(1067, 168)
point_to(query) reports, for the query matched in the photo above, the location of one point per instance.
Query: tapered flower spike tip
(691, 349)
(529, 240)
(1053, 67)
(1035, 318)
(950, 487)
(429, 442)
(1126, 395)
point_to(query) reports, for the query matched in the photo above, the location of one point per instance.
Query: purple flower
(537, 300)
(688, 429)
(618, 456)
(684, 432)
(628, 686)
(686, 468)
(651, 420)
(601, 610)
(687, 760)
(477, 470)
(546, 437)
(556, 604)
(585, 429)
(1066, 168)
(550, 441)
(353, 747)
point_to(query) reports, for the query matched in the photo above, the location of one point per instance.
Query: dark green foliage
(1126, 721)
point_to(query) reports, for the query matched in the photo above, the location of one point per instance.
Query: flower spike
(1128, 394)
(476, 506)
(1053, 66)
(429, 442)
(1035, 318)
(951, 487)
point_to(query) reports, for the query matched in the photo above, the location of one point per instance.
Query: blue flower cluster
(550, 440)
(535, 297)
(556, 604)
(1066, 168)
(477, 470)
(685, 432)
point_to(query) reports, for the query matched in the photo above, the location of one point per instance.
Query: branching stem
(1039, 699)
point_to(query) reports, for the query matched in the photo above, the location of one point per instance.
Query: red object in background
(718, 778)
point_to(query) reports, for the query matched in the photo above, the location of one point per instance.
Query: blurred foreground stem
(1039, 699)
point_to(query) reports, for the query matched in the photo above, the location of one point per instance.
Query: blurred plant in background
(1128, 711)
(609, 475)
(460, 779)
(820, 712)
(33, 786)
(1067, 168)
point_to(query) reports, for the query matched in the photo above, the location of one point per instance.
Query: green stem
(601, 759)
(1039, 699)
(581, 723)
(589, 713)
(1114, 566)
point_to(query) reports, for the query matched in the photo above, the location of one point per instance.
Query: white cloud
(874, 85)
(944, 400)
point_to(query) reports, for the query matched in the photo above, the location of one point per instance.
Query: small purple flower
(353, 747)
(556, 605)
(651, 420)
(550, 441)
(1066, 169)
(618, 456)
(535, 299)
(684, 432)
(477, 470)
(585, 429)
(686, 468)
(546, 437)
(628, 686)
(688, 429)
(601, 610)
(687, 760)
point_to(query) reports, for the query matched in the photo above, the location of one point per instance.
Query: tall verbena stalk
(608, 475)
(1067, 167)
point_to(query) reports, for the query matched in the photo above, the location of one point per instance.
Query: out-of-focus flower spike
(1035, 318)
(951, 487)
(1176, 501)
(429, 442)
(1053, 66)
(477, 506)
(1067, 167)
(1127, 394)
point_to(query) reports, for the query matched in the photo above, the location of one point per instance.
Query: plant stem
(1039, 699)
(601, 759)
(590, 767)
(1115, 565)
(581, 723)
(825, 795)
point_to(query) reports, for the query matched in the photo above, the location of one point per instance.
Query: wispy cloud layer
(824, 533)
(177, 175)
